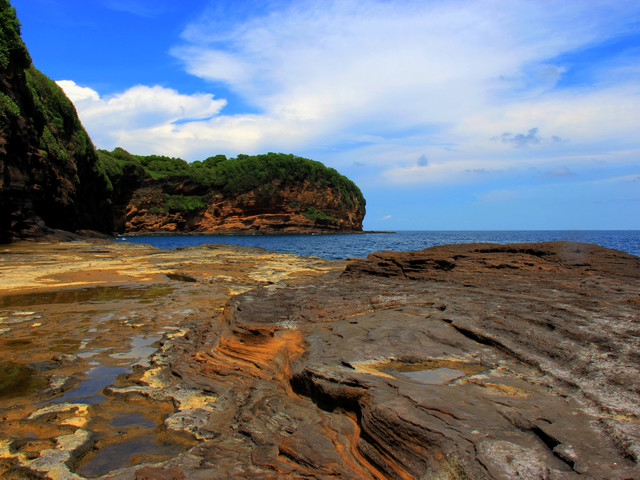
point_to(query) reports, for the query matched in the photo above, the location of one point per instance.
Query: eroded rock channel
(471, 361)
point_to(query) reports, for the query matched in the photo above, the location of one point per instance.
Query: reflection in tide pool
(436, 376)
(137, 449)
(89, 390)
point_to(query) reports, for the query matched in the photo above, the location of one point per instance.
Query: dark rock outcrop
(49, 176)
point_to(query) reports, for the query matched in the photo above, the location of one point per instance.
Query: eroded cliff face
(48, 171)
(273, 208)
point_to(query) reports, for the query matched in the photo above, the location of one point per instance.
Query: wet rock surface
(469, 361)
(83, 330)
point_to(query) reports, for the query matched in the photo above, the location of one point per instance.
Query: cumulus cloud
(78, 94)
(139, 109)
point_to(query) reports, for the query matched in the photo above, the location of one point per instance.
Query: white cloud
(78, 94)
(213, 65)
(577, 115)
(140, 110)
(391, 82)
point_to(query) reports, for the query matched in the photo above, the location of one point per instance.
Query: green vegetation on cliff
(55, 116)
(233, 176)
(45, 107)
(13, 51)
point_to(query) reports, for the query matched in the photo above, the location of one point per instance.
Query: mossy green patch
(313, 213)
(17, 380)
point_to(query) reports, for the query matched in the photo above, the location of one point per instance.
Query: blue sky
(448, 114)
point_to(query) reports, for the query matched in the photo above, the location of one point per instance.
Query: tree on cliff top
(244, 173)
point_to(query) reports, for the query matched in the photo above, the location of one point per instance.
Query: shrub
(184, 203)
(314, 214)
(8, 107)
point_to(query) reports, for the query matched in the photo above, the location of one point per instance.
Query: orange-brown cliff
(271, 193)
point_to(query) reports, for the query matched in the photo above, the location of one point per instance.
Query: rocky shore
(471, 361)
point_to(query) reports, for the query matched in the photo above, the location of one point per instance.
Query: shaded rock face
(279, 208)
(472, 361)
(48, 173)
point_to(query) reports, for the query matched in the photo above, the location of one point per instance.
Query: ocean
(342, 246)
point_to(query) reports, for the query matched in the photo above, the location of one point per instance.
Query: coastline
(250, 233)
(360, 244)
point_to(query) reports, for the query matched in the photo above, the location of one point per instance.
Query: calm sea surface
(341, 246)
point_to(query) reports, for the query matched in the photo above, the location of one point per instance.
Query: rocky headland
(52, 178)
(469, 361)
(270, 193)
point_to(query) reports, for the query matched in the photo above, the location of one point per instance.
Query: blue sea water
(341, 246)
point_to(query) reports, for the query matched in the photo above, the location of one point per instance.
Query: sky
(448, 114)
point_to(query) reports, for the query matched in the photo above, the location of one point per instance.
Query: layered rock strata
(282, 208)
(471, 361)
(478, 361)
(79, 395)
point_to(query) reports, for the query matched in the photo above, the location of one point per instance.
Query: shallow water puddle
(436, 376)
(89, 390)
(17, 380)
(130, 432)
(89, 294)
(135, 418)
(137, 449)
(74, 343)
(429, 372)
(141, 349)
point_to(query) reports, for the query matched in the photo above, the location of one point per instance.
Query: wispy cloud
(559, 172)
(524, 140)
(392, 84)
